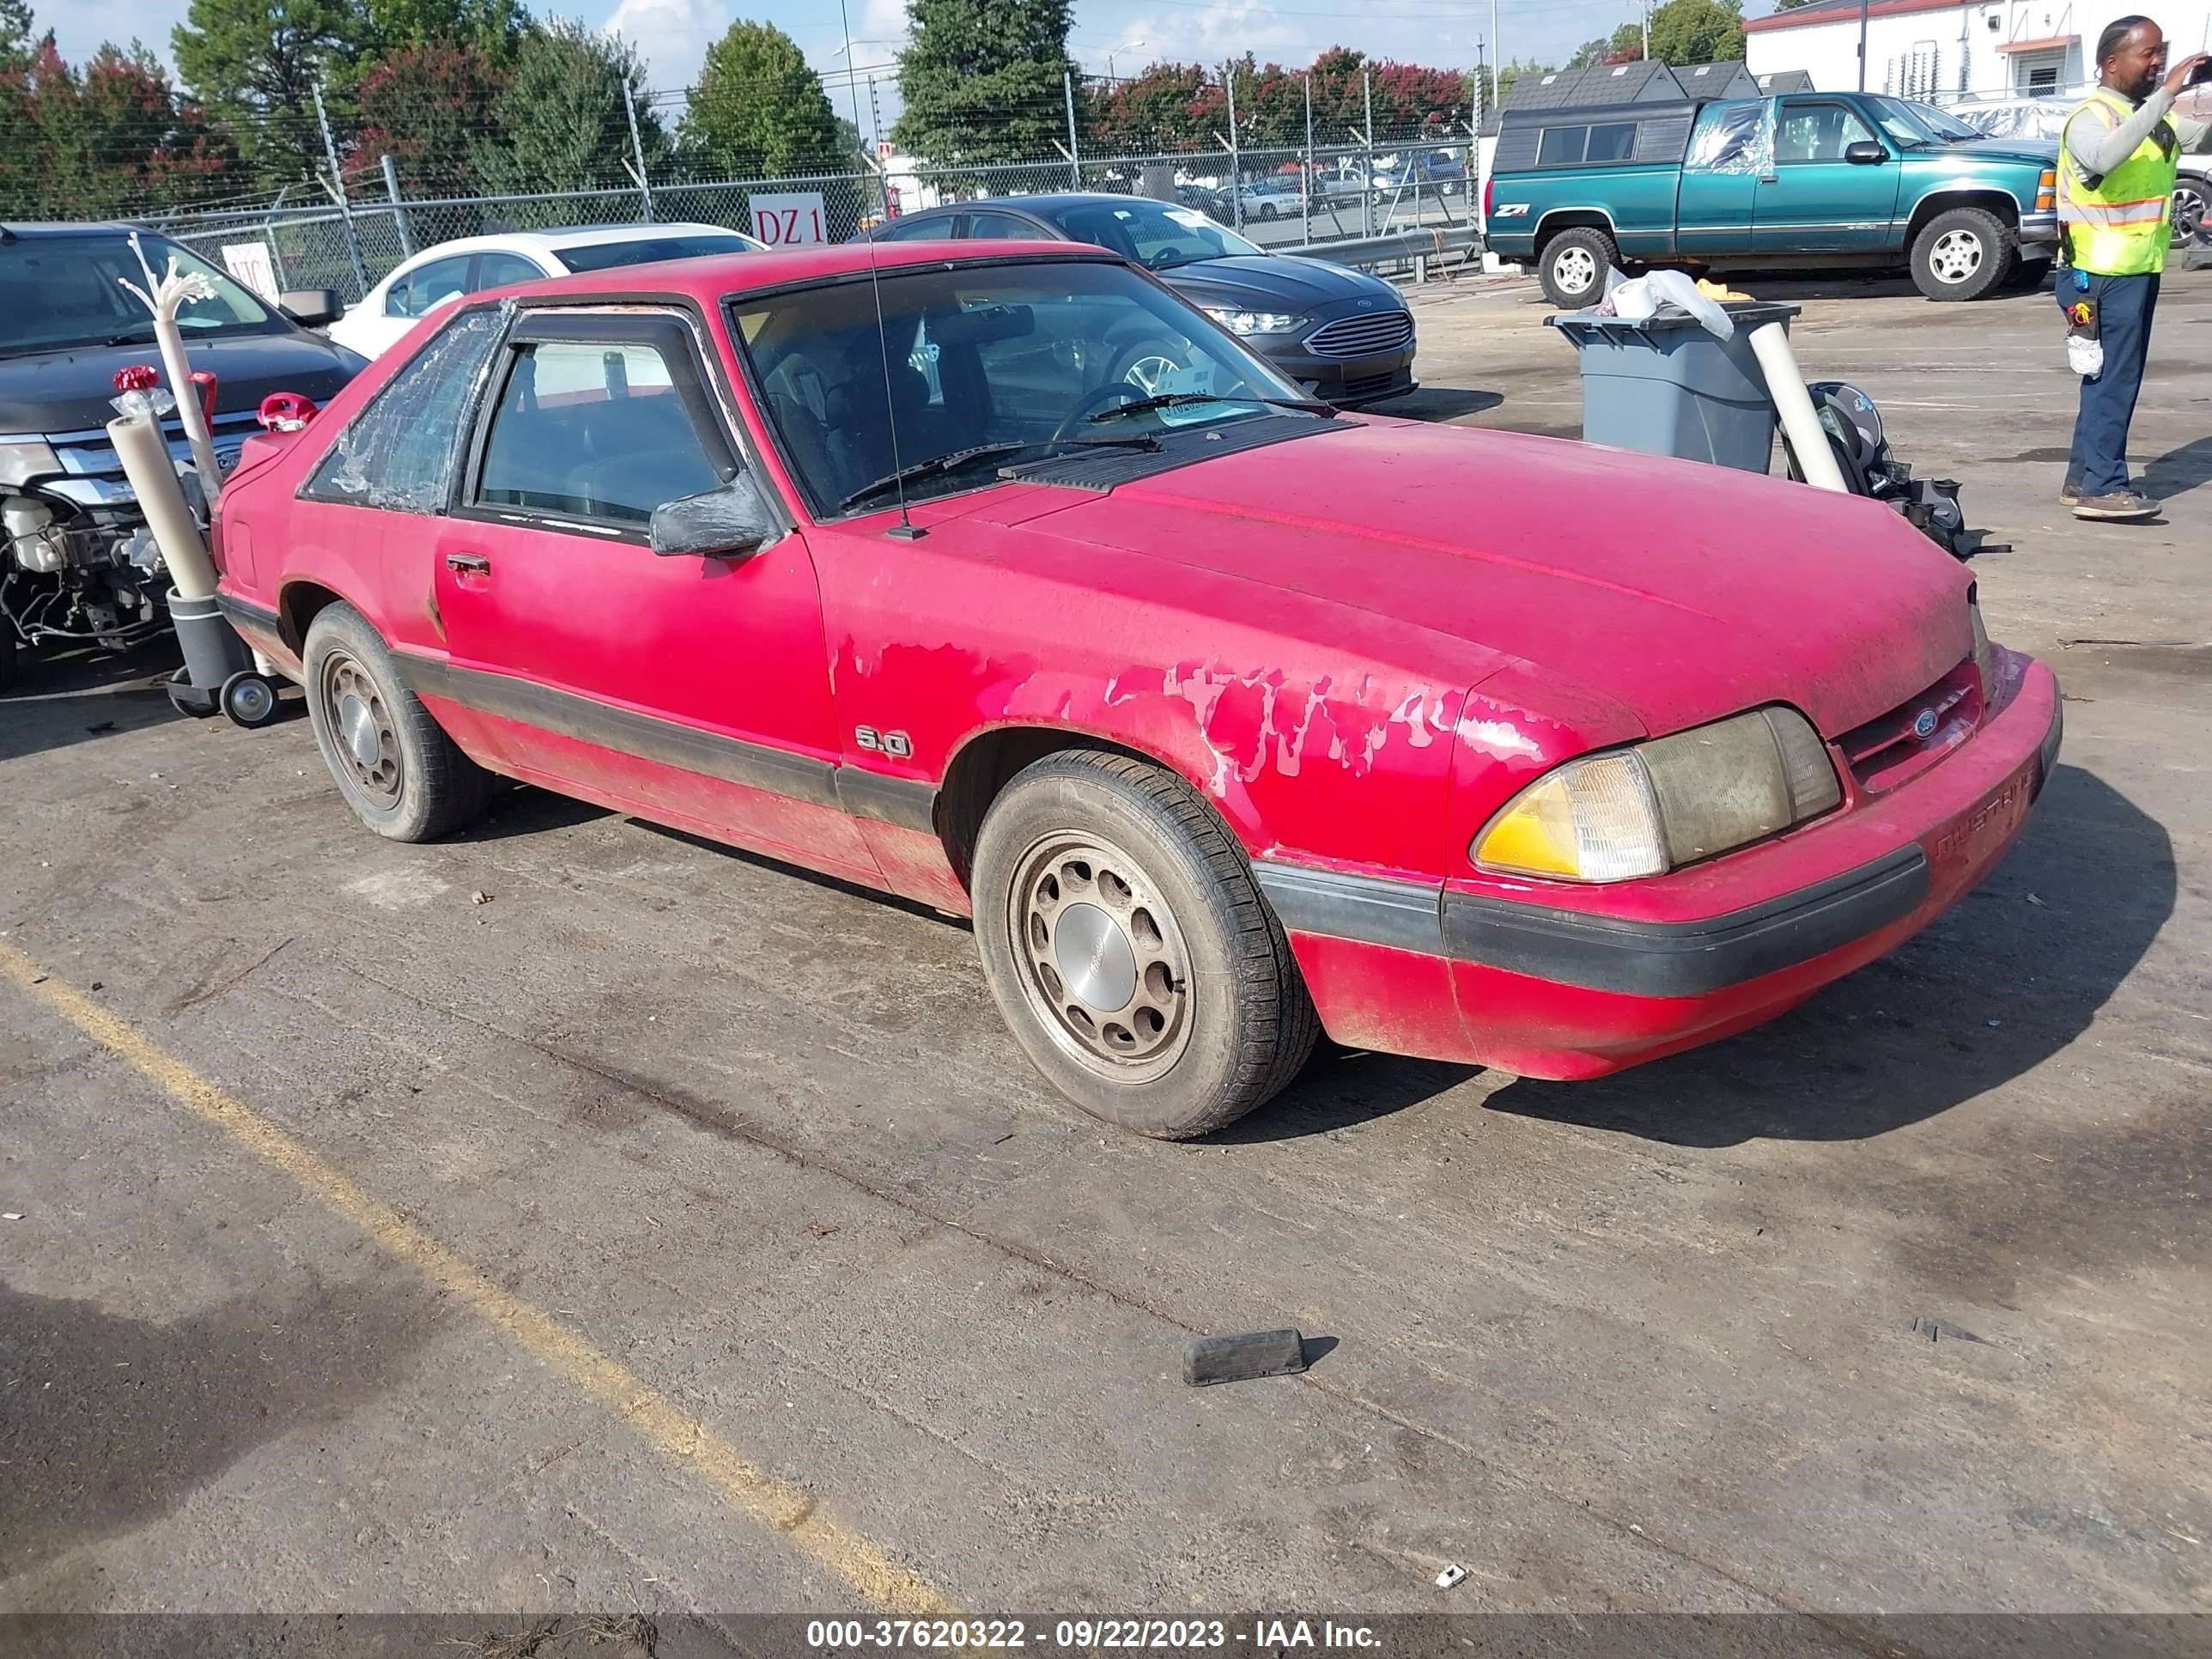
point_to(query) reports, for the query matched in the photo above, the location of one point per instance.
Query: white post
(1785, 386)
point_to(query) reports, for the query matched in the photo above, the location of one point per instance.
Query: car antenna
(905, 530)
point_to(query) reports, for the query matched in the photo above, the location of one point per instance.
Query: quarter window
(1735, 136)
(593, 429)
(1000, 227)
(399, 451)
(496, 270)
(938, 230)
(1562, 147)
(1614, 141)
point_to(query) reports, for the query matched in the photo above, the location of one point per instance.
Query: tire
(1267, 212)
(1142, 364)
(1581, 256)
(2191, 196)
(1962, 253)
(249, 699)
(1184, 1009)
(403, 776)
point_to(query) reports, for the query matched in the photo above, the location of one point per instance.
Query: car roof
(553, 240)
(1047, 203)
(709, 278)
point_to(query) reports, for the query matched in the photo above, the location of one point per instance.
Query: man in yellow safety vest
(2116, 165)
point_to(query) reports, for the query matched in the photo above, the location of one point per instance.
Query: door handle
(1769, 179)
(470, 564)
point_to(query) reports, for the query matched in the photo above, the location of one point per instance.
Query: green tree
(111, 141)
(254, 65)
(981, 80)
(1624, 45)
(493, 29)
(559, 123)
(425, 107)
(759, 111)
(17, 45)
(1697, 32)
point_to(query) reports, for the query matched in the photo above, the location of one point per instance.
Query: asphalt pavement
(578, 1216)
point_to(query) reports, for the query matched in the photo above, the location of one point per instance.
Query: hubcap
(252, 699)
(1102, 962)
(366, 744)
(1574, 270)
(1956, 256)
(2188, 212)
(1148, 374)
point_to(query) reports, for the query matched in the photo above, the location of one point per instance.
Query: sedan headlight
(1641, 811)
(22, 462)
(1252, 322)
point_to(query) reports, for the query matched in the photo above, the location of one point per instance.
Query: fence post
(1367, 156)
(398, 208)
(1074, 154)
(338, 189)
(1305, 202)
(637, 149)
(1235, 170)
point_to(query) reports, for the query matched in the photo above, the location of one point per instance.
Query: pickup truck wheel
(1573, 266)
(403, 776)
(1129, 950)
(1962, 254)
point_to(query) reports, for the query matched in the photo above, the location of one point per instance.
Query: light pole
(1126, 45)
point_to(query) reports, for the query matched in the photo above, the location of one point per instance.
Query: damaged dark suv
(77, 562)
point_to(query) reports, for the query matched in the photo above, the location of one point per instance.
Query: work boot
(2119, 504)
(2069, 494)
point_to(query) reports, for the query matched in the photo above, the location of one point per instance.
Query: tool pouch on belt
(2078, 296)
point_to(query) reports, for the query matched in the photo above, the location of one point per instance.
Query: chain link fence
(1279, 198)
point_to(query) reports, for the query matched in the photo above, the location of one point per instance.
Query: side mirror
(729, 523)
(1865, 154)
(311, 307)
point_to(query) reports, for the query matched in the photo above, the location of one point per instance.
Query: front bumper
(2038, 228)
(1551, 992)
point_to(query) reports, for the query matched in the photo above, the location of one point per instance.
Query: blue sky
(672, 33)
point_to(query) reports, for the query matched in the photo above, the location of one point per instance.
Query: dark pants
(2099, 464)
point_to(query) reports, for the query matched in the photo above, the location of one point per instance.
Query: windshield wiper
(1180, 400)
(957, 460)
(137, 334)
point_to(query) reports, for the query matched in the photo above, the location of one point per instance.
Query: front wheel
(1129, 950)
(1573, 267)
(1962, 254)
(2190, 198)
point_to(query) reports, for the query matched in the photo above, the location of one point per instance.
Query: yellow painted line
(673, 1433)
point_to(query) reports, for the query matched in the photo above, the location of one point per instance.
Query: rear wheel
(1573, 266)
(2191, 197)
(1130, 951)
(1962, 254)
(403, 776)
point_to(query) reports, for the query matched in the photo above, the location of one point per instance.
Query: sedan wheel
(1146, 365)
(403, 776)
(1129, 950)
(2189, 203)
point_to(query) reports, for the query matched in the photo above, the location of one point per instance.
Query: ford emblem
(1923, 724)
(1367, 305)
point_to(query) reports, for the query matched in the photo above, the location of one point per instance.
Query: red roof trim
(2051, 44)
(1797, 20)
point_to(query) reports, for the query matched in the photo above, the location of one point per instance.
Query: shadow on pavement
(1341, 1088)
(1988, 991)
(1439, 403)
(84, 693)
(2180, 471)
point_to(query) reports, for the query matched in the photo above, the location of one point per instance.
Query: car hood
(2041, 152)
(1276, 281)
(67, 390)
(1680, 592)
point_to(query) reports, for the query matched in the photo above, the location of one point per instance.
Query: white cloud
(672, 35)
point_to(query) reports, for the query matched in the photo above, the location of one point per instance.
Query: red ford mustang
(1230, 720)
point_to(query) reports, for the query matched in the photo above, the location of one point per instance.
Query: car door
(693, 690)
(1731, 148)
(1815, 198)
(496, 268)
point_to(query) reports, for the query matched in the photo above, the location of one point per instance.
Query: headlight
(1252, 322)
(19, 463)
(1640, 811)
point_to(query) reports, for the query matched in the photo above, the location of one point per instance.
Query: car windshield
(646, 250)
(1157, 234)
(1943, 125)
(991, 365)
(60, 291)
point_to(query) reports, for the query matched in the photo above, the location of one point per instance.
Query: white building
(1945, 51)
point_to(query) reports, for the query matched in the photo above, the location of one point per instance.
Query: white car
(468, 263)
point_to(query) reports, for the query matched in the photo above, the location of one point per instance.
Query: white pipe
(145, 456)
(165, 297)
(1785, 384)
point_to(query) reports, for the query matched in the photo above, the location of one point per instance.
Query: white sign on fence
(250, 263)
(790, 219)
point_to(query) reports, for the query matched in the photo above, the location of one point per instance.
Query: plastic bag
(1640, 297)
(2085, 356)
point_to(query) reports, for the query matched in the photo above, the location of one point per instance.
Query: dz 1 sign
(790, 219)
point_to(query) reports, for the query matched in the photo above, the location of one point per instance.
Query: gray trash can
(1667, 386)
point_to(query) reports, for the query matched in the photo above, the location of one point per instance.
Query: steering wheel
(1097, 398)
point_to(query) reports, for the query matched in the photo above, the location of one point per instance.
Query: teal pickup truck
(1808, 181)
